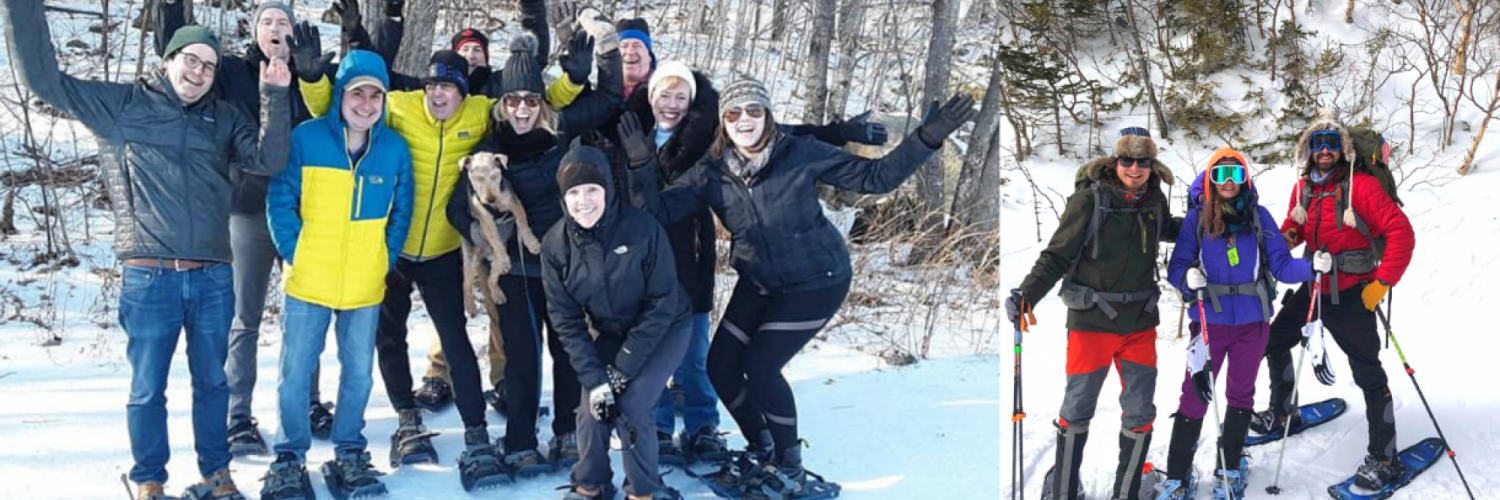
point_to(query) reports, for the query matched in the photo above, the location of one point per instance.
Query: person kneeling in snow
(336, 264)
(612, 294)
(1229, 253)
(1111, 296)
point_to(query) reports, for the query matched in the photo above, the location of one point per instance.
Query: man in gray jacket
(165, 151)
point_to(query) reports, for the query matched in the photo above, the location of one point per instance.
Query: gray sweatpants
(254, 254)
(637, 410)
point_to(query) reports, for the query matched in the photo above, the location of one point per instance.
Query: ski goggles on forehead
(1226, 173)
(1326, 139)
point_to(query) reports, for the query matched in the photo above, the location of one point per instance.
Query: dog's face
(486, 175)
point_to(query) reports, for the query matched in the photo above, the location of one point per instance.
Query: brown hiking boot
(150, 490)
(219, 486)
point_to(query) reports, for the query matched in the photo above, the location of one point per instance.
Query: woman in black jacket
(534, 137)
(793, 267)
(613, 297)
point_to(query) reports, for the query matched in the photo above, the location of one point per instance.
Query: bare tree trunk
(1145, 62)
(778, 19)
(416, 46)
(1463, 38)
(851, 27)
(1489, 114)
(1349, 13)
(815, 69)
(930, 178)
(978, 206)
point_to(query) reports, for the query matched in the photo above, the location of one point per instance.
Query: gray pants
(637, 409)
(254, 254)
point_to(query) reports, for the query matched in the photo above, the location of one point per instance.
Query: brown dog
(492, 195)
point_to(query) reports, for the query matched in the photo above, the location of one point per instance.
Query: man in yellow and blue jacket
(339, 215)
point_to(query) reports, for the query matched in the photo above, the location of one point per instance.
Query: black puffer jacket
(613, 280)
(167, 166)
(782, 241)
(693, 237)
(238, 82)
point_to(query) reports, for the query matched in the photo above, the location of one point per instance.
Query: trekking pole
(1016, 484)
(1275, 487)
(1413, 374)
(1218, 429)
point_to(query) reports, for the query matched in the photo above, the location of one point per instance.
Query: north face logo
(621, 250)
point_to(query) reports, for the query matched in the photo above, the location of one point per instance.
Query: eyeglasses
(515, 100)
(1226, 173)
(196, 64)
(1126, 161)
(754, 110)
(1325, 139)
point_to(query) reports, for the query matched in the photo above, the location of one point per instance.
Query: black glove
(308, 59)
(633, 139)
(617, 380)
(602, 404)
(940, 122)
(579, 60)
(350, 19)
(860, 130)
(394, 8)
(1197, 365)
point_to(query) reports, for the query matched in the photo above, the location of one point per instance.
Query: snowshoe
(496, 399)
(434, 394)
(730, 479)
(479, 467)
(667, 452)
(1411, 462)
(1172, 489)
(1376, 475)
(1048, 494)
(219, 486)
(704, 445)
(321, 419)
(287, 480)
(1312, 415)
(412, 442)
(352, 476)
(527, 463)
(245, 438)
(562, 451)
(1230, 484)
(786, 479)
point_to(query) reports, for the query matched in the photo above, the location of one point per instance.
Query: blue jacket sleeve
(1185, 252)
(283, 201)
(1284, 267)
(399, 222)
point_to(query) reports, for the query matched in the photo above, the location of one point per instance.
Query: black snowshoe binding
(219, 486)
(667, 452)
(738, 467)
(287, 480)
(321, 419)
(434, 394)
(704, 445)
(1374, 475)
(352, 476)
(527, 463)
(412, 442)
(496, 399)
(562, 451)
(245, 438)
(786, 479)
(1267, 422)
(479, 466)
(605, 493)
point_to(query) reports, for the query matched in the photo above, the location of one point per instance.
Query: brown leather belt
(173, 264)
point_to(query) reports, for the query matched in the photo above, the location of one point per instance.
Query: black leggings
(522, 317)
(440, 280)
(758, 335)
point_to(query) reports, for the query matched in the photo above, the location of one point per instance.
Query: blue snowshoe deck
(1313, 415)
(1416, 459)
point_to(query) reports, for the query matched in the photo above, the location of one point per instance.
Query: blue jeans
(700, 406)
(306, 329)
(156, 305)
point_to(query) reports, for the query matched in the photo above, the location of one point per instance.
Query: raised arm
(264, 151)
(35, 62)
(591, 111)
(846, 171)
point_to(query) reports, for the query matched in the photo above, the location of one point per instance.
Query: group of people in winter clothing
(351, 177)
(1229, 255)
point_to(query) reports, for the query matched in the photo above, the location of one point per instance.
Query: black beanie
(521, 70)
(583, 165)
(471, 34)
(448, 66)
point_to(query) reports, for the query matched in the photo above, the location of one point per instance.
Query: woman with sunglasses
(1226, 264)
(534, 137)
(793, 266)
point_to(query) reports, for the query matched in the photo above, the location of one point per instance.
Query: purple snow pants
(1246, 345)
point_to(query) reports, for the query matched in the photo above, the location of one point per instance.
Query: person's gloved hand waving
(579, 61)
(861, 130)
(941, 121)
(637, 145)
(308, 58)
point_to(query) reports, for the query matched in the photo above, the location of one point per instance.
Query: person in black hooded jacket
(613, 297)
(793, 267)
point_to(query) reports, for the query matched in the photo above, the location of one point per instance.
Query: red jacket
(1381, 215)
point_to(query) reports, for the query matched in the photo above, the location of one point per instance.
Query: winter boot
(351, 476)
(667, 452)
(527, 463)
(1175, 489)
(321, 419)
(412, 442)
(562, 451)
(496, 399)
(287, 480)
(434, 394)
(479, 467)
(1063, 476)
(245, 438)
(740, 469)
(1133, 446)
(1230, 484)
(704, 445)
(782, 478)
(1271, 421)
(605, 493)
(219, 486)
(1375, 475)
(150, 490)
(1236, 427)
(1184, 445)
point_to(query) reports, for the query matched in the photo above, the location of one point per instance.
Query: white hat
(670, 69)
(364, 81)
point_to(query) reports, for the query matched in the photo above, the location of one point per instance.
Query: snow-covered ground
(1440, 309)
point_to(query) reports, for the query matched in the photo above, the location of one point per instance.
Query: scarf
(525, 146)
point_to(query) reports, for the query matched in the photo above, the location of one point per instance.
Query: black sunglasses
(1126, 161)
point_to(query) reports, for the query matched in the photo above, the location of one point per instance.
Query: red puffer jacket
(1380, 214)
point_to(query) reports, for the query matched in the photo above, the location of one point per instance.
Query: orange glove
(1373, 293)
(1292, 238)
